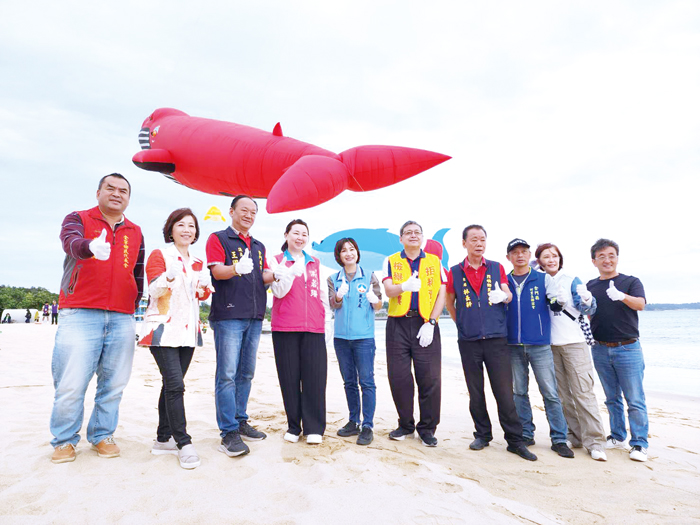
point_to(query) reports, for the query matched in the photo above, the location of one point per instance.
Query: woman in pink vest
(298, 322)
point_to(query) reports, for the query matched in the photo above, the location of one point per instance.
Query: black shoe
(427, 438)
(232, 445)
(529, 442)
(350, 429)
(563, 450)
(522, 451)
(400, 434)
(249, 433)
(478, 444)
(365, 437)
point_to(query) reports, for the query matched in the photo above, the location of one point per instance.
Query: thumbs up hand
(497, 295)
(245, 265)
(371, 296)
(584, 294)
(343, 290)
(174, 270)
(99, 247)
(561, 295)
(299, 266)
(614, 293)
(412, 284)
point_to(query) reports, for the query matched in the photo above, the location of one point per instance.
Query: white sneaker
(188, 457)
(598, 455)
(614, 443)
(314, 439)
(638, 453)
(292, 438)
(169, 447)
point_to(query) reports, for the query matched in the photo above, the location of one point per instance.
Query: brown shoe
(107, 448)
(63, 453)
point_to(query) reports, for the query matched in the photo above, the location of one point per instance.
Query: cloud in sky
(566, 121)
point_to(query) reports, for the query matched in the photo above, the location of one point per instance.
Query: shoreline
(279, 482)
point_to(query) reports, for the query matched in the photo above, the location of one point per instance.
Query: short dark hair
(408, 223)
(549, 246)
(339, 247)
(176, 217)
(117, 175)
(473, 227)
(239, 197)
(288, 229)
(604, 243)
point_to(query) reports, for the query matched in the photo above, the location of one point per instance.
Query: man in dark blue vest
(239, 275)
(477, 294)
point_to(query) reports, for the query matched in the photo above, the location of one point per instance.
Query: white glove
(281, 271)
(245, 265)
(371, 296)
(561, 295)
(497, 295)
(412, 284)
(299, 266)
(584, 294)
(425, 334)
(343, 290)
(614, 293)
(174, 270)
(204, 281)
(99, 247)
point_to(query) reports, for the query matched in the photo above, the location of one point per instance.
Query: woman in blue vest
(355, 294)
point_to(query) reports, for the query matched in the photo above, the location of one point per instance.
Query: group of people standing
(505, 322)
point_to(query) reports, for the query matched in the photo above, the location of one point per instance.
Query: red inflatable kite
(223, 158)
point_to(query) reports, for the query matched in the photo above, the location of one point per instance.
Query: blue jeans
(236, 342)
(356, 362)
(542, 362)
(90, 342)
(621, 372)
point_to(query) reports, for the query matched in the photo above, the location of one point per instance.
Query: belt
(614, 345)
(412, 313)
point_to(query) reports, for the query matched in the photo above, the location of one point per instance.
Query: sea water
(670, 341)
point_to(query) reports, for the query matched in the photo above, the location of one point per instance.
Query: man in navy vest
(239, 275)
(477, 295)
(529, 337)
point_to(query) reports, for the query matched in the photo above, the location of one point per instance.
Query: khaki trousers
(574, 371)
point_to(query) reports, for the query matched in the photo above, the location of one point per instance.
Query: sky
(566, 121)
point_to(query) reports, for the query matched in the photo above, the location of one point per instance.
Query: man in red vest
(101, 287)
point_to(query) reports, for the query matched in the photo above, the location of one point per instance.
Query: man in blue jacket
(529, 340)
(477, 294)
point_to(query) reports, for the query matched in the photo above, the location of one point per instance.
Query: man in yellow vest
(415, 285)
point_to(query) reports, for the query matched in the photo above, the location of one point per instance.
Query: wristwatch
(432, 321)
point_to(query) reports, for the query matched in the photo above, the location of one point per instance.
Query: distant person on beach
(477, 295)
(298, 336)
(572, 358)
(7, 319)
(28, 316)
(54, 313)
(617, 353)
(37, 319)
(415, 285)
(45, 310)
(239, 274)
(171, 328)
(529, 339)
(101, 287)
(355, 294)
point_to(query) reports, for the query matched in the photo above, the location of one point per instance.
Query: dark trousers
(302, 370)
(173, 364)
(495, 354)
(54, 318)
(402, 349)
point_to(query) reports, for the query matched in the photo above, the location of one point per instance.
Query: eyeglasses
(409, 233)
(606, 257)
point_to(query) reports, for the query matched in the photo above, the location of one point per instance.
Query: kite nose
(144, 138)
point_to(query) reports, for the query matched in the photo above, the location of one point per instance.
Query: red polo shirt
(475, 277)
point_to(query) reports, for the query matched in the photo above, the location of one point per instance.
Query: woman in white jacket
(572, 358)
(171, 328)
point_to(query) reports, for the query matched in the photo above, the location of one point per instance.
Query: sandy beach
(336, 482)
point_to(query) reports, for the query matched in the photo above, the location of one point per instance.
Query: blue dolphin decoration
(375, 246)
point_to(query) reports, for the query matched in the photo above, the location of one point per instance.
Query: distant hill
(668, 306)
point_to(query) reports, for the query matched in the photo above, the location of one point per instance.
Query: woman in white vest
(572, 358)
(171, 328)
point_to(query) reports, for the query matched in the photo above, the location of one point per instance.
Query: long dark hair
(289, 227)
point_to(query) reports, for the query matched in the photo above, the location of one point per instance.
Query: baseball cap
(515, 243)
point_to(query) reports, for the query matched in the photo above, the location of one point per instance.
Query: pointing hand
(614, 293)
(245, 264)
(412, 284)
(99, 247)
(497, 295)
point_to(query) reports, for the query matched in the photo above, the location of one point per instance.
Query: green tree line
(16, 297)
